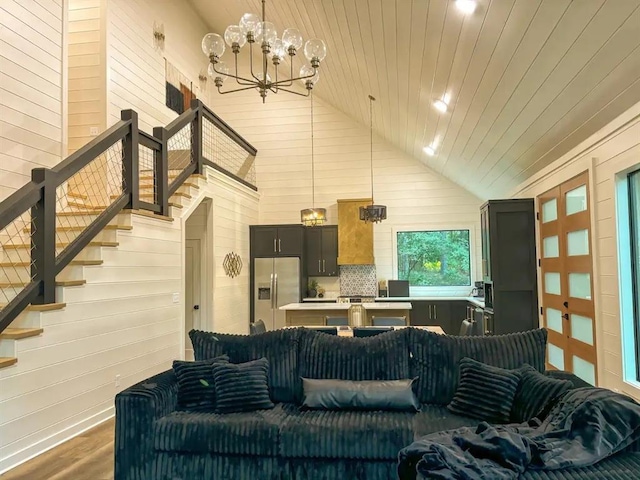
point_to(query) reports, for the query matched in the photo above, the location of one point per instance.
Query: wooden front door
(567, 278)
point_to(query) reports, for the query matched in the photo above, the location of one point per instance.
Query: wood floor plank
(86, 457)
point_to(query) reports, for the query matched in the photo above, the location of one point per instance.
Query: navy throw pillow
(484, 392)
(535, 392)
(196, 388)
(242, 387)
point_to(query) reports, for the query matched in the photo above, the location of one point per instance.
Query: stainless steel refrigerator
(276, 283)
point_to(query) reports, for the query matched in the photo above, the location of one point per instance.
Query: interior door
(567, 278)
(192, 293)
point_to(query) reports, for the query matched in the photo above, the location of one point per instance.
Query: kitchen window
(628, 219)
(434, 258)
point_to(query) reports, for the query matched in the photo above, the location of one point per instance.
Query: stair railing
(45, 224)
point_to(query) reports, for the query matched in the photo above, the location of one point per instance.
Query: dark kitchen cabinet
(436, 313)
(322, 251)
(277, 240)
(510, 265)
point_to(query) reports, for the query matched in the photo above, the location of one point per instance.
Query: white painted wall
(281, 131)
(30, 89)
(136, 66)
(613, 149)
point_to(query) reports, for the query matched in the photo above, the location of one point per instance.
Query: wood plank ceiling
(527, 79)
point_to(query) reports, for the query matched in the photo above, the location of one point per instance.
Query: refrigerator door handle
(275, 284)
(271, 290)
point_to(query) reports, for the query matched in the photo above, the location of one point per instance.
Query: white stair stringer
(123, 325)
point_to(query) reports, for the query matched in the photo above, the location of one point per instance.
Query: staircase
(54, 232)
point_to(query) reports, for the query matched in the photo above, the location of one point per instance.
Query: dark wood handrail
(19, 202)
(230, 132)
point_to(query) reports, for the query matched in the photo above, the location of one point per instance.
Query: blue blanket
(586, 426)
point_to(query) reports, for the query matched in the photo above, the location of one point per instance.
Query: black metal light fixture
(372, 213)
(253, 29)
(312, 217)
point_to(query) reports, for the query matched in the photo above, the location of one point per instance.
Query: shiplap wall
(137, 67)
(613, 149)
(87, 71)
(281, 131)
(30, 89)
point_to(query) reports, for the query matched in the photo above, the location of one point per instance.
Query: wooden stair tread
(18, 333)
(46, 307)
(152, 195)
(20, 246)
(81, 228)
(147, 213)
(175, 205)
(79, 213)
(185, 184)
(77, 195)
(7, 361)
(73, 262)
(61, 283)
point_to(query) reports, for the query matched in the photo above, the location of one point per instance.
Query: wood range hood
(355, 237)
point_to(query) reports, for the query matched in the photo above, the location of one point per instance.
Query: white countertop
(345, 306)
(478, 301)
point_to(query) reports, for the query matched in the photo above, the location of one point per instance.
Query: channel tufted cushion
(196, 388)
(247, 433)
(280, 347)
(344, 434)
(242, 387)
(383, 357)
(535, 392)
(484, 392)
(435, 358)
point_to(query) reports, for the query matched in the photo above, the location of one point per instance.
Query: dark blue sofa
(156, 441)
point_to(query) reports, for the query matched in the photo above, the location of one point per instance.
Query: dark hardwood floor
(86, 457)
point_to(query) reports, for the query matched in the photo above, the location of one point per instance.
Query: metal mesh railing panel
(16, 258)
(179, 151)
(147, 186)
(218, 148)
(87, 194)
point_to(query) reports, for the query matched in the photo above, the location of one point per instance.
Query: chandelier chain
(313, 174)
(371, 99)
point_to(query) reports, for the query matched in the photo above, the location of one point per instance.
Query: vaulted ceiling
(527, 79)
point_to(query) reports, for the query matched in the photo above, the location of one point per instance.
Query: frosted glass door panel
(552, 283)
(550, 247)
(550, 211)
(556, 356)
(578, 243)
(576, 200)
(582, 328)
(554, 319)
(580, 285)
(585, 370)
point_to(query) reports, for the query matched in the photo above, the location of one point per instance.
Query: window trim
(629, 341)
(634, 267)
(463, 290)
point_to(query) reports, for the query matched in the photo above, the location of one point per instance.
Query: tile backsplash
(358, 280)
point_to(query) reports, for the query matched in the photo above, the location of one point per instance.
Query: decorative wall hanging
(232, 264)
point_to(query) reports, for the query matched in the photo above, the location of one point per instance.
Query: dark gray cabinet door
(313, 238)
(264, 241)
(420, 313)
(290, 240)
(329, 255)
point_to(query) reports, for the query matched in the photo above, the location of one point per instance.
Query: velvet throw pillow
(196, 387)
(334, 394)
(242, 387)
(535, 393)
(484, 392)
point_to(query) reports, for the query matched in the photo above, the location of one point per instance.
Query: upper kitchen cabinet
(322, 251)
(509, 264)
(277, 240)
(355, 237)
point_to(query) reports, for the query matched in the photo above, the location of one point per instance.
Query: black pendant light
(372, 213)
(312, 217)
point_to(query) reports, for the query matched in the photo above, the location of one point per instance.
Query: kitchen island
(358, 314)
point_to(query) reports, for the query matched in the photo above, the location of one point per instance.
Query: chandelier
(252, 29)
(372, 213)
(312, 217)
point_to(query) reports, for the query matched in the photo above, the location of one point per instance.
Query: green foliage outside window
(437, 258)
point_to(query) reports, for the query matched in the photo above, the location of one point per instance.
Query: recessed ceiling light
(466, 6)
(429, 150)
(440, 105)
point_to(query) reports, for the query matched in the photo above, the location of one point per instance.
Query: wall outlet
(118, 380)
(176, 298)
(93, 131)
